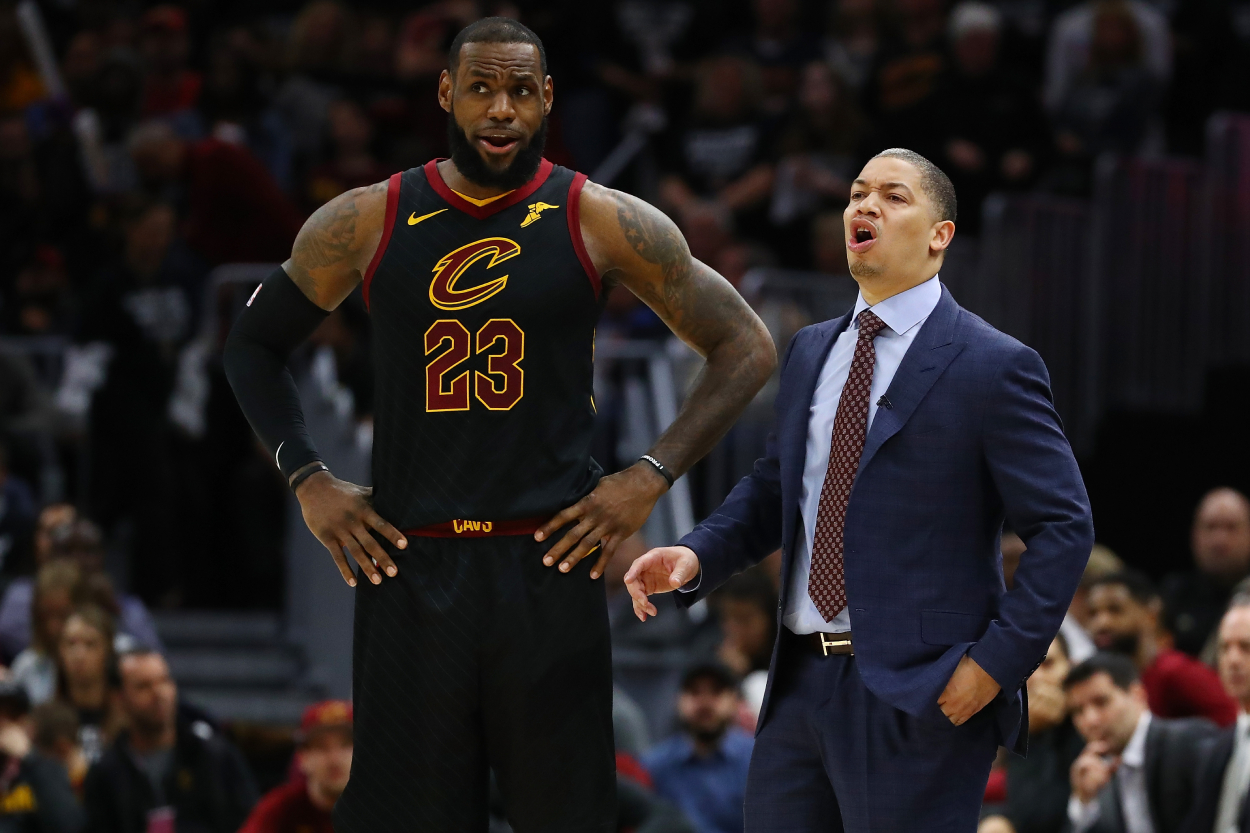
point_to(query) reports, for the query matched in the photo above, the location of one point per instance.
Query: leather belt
(824, 644)
(478, 529)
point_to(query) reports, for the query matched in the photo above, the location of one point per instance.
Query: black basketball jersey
(483, 337)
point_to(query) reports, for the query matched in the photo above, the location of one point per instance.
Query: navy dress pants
(833, 758)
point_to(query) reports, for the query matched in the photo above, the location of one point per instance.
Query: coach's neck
(877, 286)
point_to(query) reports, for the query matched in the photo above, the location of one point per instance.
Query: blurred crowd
(142, 146)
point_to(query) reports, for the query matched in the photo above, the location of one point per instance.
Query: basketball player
(480, 640)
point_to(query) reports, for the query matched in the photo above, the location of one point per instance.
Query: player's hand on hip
(661, 570)
(615, 510)
(969, 690)
(341, 515)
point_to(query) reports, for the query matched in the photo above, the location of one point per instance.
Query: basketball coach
(906, 432)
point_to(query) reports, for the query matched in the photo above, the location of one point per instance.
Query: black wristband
(312, 469)
(660, 467)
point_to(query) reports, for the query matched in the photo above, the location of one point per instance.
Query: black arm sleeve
(277, 319)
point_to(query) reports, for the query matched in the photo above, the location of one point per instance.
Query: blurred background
(157, 160)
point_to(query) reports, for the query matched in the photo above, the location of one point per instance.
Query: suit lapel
(925, 360)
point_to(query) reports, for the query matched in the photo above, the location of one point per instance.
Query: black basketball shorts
(477, 656)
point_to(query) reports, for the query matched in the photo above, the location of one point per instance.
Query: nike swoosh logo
(413, 219)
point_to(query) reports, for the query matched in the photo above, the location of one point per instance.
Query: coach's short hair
(1116, 666)
(496, 30)
(933, 180)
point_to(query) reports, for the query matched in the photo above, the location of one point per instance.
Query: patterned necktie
(826, 581)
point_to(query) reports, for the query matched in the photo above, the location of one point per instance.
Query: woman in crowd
(87, 677)
(57, 586)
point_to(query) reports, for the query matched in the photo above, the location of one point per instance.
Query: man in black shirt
(163, 773)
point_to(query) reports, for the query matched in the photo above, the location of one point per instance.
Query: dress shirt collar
(1134, 754)
(905, 310)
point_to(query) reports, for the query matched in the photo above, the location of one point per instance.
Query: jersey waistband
(478, 529)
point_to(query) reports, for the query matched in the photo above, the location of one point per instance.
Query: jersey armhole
(388, 225)
(574, 215)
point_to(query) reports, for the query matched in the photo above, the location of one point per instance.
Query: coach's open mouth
(863, 234)
(497, 143)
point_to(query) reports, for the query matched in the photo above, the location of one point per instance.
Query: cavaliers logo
(444, 292)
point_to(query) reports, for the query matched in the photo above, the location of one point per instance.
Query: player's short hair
(1116, 666)
(495, 30)
(1140, 587)
(933, 180)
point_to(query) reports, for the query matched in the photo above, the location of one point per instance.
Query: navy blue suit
(970, 438)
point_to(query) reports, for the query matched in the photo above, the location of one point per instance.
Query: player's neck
(461, 184)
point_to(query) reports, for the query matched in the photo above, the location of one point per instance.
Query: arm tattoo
(327, 247)
(705, 311)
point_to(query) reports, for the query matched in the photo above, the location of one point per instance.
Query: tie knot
(869, 324)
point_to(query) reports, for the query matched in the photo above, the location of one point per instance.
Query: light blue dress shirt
(903, 315)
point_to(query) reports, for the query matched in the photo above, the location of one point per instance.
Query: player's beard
(473, 167)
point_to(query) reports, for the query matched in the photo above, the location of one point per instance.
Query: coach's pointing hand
(661, 570)
(341, 514)
(615, 510)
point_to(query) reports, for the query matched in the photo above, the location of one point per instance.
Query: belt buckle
(826, 642)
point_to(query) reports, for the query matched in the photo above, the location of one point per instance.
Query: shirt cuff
(692, 585)
(1082, 815)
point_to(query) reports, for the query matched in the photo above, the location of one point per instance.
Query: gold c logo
(443, 291)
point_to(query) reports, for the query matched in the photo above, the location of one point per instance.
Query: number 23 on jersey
(499, 388)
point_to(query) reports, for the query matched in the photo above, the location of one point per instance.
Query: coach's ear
(942, 235)
(445, 85)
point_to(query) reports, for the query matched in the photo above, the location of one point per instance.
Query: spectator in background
(35, 795)
(58, 589)
(86, 678)
(161, 770)
(818, 143)
(51, 517)
(1038, 785)
(1071, 45)
(1220, 544)
(235, 211)
(903, 92)
(55, 729)
(992, 122)
(850, 46)
(703, 770)
(81, 543)
(746, 606)
(170, 88)
(1113, 105)
(351, 163)
(1124, 618)
(145, 308)
(781, 46)
(39, 301)
(717, 161)
(1223, 781)
(1153, 760)
(324, 758)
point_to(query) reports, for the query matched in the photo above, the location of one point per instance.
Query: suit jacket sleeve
(1045, 502)
(747, 526)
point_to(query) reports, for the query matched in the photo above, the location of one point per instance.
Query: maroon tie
(826, 582)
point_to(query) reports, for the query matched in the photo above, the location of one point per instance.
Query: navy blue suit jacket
(971, 437)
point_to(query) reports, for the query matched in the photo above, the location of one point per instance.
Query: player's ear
(444, 90)
(548, 89)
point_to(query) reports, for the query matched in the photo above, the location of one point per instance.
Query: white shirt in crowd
(1131, 775)
(903, 315)
(1236, 780)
